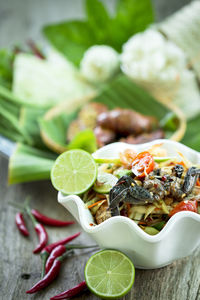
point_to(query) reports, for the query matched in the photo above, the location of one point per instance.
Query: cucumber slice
(151, 230)
(159, 226)
(122, 172)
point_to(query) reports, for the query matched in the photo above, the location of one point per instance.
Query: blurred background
(23, 19)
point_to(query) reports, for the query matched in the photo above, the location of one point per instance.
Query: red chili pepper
(143, 164)
(47, 250)
(59, 250)
(49, 221)
(19, 220)
(71, 292)
(50, 276)
(50, 247)
(185, 205)
(41, 232)
(56, 252)
(43, 237)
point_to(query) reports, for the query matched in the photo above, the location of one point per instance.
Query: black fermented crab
(178, 170)
(127, 190)
(180, 190)
(174, 185)
(190, 180)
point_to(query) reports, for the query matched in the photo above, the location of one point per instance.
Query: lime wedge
(74, 172)
(109, 274)
(106, 156)
(163, 158)
(104, 183)
(105, 160)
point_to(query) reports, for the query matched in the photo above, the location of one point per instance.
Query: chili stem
(23, 206)
(80, 246)
(44, 257)
(66, 254)
(16, 205)
(27, 208)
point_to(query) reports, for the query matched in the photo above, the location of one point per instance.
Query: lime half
(109, 274)
(74, 172)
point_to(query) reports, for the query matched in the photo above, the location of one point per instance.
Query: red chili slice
(184, 206)
(143, 164)
(198, 182)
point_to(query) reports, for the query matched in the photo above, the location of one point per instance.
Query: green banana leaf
(9, 96)
(192, 134)
(121, 92)
(56, 127)
(9, 132)
(53, 132)
(29, 123)
(73, 38)
(6, 63)
(9, 125)
(13, 108)
(29, 164)
(9, 120)
(85, 140)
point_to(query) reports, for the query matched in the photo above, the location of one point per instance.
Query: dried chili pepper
(49, 221)
(19, 220)
(59, 250)
(81, 287)
(41, 232)
(47, 250)
(50, 276)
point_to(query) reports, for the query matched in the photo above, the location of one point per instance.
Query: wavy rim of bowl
(150, 238)
(145, 236)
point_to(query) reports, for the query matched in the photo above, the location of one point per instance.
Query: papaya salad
(147, 187)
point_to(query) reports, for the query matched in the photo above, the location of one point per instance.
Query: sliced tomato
(143, 164)
(185, 205)
(198, 182)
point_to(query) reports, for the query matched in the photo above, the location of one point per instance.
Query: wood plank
(20, 269)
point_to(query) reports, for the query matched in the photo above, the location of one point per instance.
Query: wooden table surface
(19, 268)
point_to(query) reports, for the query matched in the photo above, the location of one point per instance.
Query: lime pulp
(74, 172)
(109, 274)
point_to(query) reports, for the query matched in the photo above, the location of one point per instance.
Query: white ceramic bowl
(179, 238)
